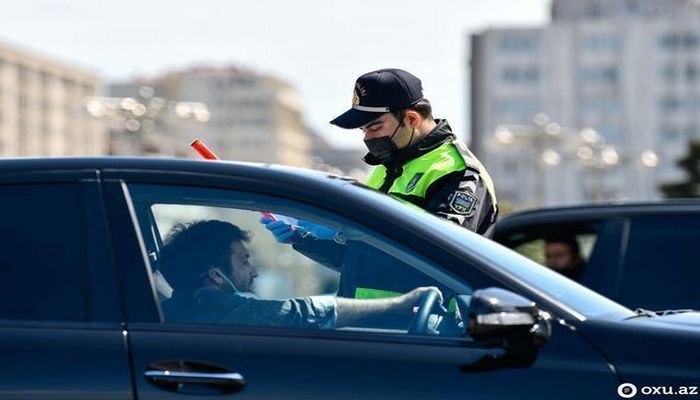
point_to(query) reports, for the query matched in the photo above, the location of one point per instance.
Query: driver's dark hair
(569, 240)
(192, 249)
(423, 108)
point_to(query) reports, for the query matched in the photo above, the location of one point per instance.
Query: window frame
(151, 319)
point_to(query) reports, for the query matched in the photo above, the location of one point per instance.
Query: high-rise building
(628, 70)
(42, 107)
(253, 117)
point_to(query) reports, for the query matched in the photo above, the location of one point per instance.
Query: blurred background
(564, 101)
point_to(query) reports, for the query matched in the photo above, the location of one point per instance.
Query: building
(42, 107)
(252, 116)
(340, 161)
(144, 123)
(626, 69)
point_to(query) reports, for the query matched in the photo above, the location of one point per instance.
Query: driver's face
(244, 273)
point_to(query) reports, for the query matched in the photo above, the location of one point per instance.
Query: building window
(520, 75)
(518, 43)
(607, 74)
(691, 72)
(602, 43)
(669, 73)
(600, 105)
(669, 103)
(526, 107)
(677, 41)
(670, 133)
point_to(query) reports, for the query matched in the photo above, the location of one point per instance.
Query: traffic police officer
(417, 160)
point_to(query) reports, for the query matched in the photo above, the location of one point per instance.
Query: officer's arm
(464, 198)
(325, 252)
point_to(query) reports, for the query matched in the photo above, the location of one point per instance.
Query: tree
(691, 165)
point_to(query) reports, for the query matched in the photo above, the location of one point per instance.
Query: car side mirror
(500, 318)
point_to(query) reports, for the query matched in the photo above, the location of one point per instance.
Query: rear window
(661, 267)
(43, 262)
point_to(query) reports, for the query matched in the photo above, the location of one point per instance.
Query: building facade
(251, 116)
(627, 70)
(42, 108)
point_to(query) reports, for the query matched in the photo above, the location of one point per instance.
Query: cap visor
(352, 118)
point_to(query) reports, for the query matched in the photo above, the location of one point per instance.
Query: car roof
(221, 167)
(606, 210)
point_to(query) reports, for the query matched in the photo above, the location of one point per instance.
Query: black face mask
(383, 147)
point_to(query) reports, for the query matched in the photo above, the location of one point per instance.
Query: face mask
(383, 147)
(226, 279)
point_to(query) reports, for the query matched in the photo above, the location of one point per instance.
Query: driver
(208, 265)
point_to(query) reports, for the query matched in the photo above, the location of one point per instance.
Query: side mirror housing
(503, 319)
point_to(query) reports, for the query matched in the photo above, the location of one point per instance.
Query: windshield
(580, 301)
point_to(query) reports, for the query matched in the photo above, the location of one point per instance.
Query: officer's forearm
(325, 252)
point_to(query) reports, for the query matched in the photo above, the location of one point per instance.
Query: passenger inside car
(209, 267)
(562, 254)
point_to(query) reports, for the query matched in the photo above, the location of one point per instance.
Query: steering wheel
(419, 323)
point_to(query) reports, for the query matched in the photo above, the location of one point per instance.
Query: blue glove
(318, 231)
(283, 232)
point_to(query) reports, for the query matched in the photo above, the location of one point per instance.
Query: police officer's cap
(379, 92)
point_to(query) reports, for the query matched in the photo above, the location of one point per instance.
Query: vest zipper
(391, 175)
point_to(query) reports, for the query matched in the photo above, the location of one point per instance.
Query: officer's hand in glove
(318, 231)
(286, 233)
(283, 232)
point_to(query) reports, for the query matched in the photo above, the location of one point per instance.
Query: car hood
(647, 350)
(689, 319)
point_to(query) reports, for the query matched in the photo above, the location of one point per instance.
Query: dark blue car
(84, 298)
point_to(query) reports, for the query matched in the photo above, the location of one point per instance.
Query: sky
(319, 47)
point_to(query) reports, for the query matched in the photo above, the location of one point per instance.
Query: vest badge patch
(414, 181)
(463, 203)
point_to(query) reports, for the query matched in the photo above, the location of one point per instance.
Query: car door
(60, 330)
(660, 271)
(260, 360)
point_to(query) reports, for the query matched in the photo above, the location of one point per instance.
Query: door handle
(193, 377)
(207, 378)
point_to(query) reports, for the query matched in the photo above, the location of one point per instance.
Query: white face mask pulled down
(230, 284)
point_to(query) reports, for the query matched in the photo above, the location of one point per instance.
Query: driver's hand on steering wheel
(407, 302)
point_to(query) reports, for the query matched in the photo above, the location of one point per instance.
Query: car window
(660, 269)
(43, 259)
(214, 261)
(565, 248)
(535, 249)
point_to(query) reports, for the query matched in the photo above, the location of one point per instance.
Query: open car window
(302, 281)
(544, 243)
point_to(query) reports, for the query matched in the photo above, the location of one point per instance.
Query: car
(641, 255)
(85, 292)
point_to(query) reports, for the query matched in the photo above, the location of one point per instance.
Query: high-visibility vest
(410, 186)
(417, 175)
